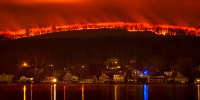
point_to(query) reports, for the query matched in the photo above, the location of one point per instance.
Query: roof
(157, 74)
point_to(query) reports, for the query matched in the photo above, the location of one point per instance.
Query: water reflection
(54, 91)
(115, 92)
(51, 93)
(64, 92)
(24, 92)
(31, 92)
(145, 92)
(198, 91)
(82, 92)
(102, 92)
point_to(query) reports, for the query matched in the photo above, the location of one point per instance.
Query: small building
(49, 79)
(112, 64)
(69, 78)
(6, 78)
(168, 73)
(156, 78)
(24, 79)
(104, 78)
(136, 73)
(180, 78)
(118, 78)
(131, 79)
(88, 79)
(177, 77)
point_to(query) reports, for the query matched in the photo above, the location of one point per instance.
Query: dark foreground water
(99, 92)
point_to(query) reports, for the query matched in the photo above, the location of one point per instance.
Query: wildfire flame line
(131, 27)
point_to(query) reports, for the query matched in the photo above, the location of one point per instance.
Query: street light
(54, 80)
(145, 72)
(24, 64)
(83, 66)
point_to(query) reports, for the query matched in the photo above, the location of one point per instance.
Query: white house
(24, 79)
(118, 78)
(6, 78)
(104, 78)
(69, 78)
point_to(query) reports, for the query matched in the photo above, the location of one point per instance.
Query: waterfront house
(24, 79)
(49, 79)
(69, 78)
(112, 64)
(180, 78)
(177, 77)
(131, 79)
(118, 78)
(168, 73)
(88, 79)
(156, 78)
(103, 78)
(6, 78)
(136, 73)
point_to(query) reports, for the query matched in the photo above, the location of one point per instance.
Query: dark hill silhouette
(95, 33)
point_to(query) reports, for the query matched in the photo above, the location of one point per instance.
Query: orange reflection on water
(54, 91)
(64, 92)
(82, 92)
(31, 93)
(24, 92)
(51, 92)
(198, 92)
(115, 92)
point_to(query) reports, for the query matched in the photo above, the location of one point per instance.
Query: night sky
(17, 14)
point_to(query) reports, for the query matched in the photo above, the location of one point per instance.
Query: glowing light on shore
(25, 64)
(131, 27)
(54, 80)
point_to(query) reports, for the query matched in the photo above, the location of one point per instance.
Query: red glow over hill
(131, 27)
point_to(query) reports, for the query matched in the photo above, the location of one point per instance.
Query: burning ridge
(131, 27)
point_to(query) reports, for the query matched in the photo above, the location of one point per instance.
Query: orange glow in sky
(38, 15)
(131, 27)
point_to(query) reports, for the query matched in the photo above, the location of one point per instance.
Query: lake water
(99, 92)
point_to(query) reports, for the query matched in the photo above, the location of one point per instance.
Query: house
(180, 78)
(112, 64)
(49, 79)
(156, 78)
(131, 79)
(168, 73)
(24, 79)
(104, 78)
(135, 76)
(69, 78)
(88, 79)
(136, 72)
(118, 78)
(6, 78)
(177, 77)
